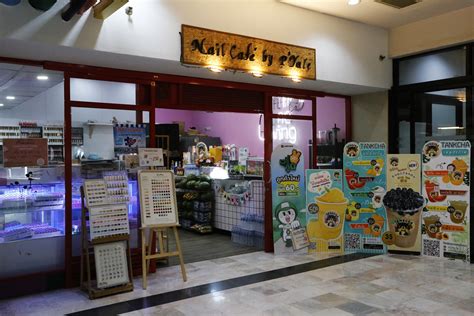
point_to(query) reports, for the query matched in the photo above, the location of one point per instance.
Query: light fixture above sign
(204, 47)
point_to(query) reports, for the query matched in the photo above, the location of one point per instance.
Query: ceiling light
(10, 97)
(1, 104)
(450, 127)
(257, 74)
(42, 77)
(215, 69)
(353, 2)
(295, 79)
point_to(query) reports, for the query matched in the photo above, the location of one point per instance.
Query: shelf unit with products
(55, 137)
(30, 130)
(77, 136)
(8, 132)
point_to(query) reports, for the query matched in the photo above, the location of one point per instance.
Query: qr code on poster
(352, 241)
(431, 248)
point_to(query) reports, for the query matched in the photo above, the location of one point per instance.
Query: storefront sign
(404, 222)
(231, 51)
(128, 138)
(364, 187)
(288, 200)
(446, 187)
(325, 210)
(28, 152)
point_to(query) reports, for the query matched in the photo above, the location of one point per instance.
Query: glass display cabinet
(31, 220)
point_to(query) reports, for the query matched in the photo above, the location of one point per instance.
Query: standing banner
(403, 203)
(446, 181)
(325, 210)
(288, 200)
(364, 187)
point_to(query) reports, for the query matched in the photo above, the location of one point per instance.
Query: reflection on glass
(440, 115)
(291, 106)
(437, 66)
(296, 132)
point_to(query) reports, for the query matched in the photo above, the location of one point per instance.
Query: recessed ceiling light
(1, 104)
(353, 2)
(42, 77)
(295, 79)
(257, 74)
(216, 69)
(10, 97)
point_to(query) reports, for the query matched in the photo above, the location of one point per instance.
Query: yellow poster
(403, 203)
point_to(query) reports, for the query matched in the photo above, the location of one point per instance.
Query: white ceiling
(373, 13)
(21, 82)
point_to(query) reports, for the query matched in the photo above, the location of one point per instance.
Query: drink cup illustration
(332, 206)
(457, 211)
(432, 225)
(404, 207)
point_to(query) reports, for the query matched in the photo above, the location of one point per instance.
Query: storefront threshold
(310, 262)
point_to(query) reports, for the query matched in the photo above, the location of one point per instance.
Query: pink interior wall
(331, 111)
(168, 116)
(240, 129)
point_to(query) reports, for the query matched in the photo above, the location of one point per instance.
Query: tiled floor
(380, 285)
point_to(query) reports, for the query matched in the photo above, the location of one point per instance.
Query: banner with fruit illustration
(325, 210)
(403, 203)
(446, 187)
(364, 187)
(288, 200)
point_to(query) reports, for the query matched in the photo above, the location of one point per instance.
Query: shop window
(296, 132)
(331, 133)
(440, 115)
(32, 216)
(291, 106)
(99, 146)
(87, 90)
(436, 66)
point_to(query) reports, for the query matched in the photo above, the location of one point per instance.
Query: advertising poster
(128, 138)
(150, 157)
(288, 200)
(403, 203)
(25, 152)
(446, 181)
(364, 187)
(325, 210)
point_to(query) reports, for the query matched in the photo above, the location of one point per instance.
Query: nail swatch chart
(157, 197)
(95, 192)
(108, 220)
(111, 264)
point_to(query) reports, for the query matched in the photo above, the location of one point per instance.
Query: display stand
(87, 284)
(158, 214)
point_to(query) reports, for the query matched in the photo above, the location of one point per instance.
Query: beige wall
(440, 31)
(370, 117)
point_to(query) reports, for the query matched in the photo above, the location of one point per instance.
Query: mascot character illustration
(286, 215)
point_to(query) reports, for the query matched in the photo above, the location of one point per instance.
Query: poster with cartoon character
(288, 200)
(364, 187)
(403, 203)
(128, 138)
(446, 188)
(325, 210)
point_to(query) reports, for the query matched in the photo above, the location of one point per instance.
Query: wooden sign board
(157, 198)
(231, 51)
(28, 152)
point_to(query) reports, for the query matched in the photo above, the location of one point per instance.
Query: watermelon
(207, 196)
(203, 186)
(191, 177)
(204, 178)
(190, 184)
